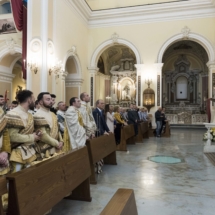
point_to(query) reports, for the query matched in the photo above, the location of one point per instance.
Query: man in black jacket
(99, 117)
(133, 118)
(158, 120)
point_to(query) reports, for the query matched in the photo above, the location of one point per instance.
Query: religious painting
(126, 90)
(7, 26)
(100, 65)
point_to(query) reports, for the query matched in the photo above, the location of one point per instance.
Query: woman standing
(109, 117)
(119, 123)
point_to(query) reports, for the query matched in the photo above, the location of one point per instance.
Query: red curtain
(209, 110)
(20, 19)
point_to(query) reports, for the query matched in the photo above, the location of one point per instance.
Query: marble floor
(160, 189)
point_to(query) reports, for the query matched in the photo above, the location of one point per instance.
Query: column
(139, 81)
(211, 76)
(158, 67)
(44, 39)
(63, 85)
(93, 72)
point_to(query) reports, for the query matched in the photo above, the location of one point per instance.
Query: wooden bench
(145, 129)
(122, 203)
(3, 190)
(103, 147)
(127, 137)
(167, 132)
(35, 190)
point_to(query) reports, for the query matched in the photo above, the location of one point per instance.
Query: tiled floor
(160, 189)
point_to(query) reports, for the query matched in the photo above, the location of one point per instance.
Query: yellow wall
(71, 92)
(5, 86)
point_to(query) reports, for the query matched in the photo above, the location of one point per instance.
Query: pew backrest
(3, 190)
(35, 190)
(122, 203)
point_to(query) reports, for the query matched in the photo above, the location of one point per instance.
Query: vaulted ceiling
(102, 13)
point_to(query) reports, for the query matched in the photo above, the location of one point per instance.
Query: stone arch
(108, 43)
(72, 53)
(193, 37)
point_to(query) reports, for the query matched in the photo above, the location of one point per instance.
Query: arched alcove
(184, 75)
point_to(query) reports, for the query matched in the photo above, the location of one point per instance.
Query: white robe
(88, 119)
(77, 134)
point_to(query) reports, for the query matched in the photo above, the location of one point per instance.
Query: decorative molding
(10, 44)
(93, 70)
(5, 77)
(103, 46)
(91, 91)
(114, 38)
(185, 31)
(73, 82)
(35, 45)
(210, 49)
(211, 64)
(139, 90)
(50, 47)
(158, 90)
(178, 10)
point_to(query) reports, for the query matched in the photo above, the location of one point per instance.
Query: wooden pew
(127, 137)
(103, 147)
(167, 132)
(145, 129)
(139, 137)
(122, 203)
(3, 190)
(35, 190)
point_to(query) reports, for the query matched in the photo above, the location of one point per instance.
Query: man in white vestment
(86, 112)
(75, 124)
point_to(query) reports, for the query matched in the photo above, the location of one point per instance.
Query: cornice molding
(143, 14)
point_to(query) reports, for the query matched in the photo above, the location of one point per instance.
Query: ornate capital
(74, 82)
(211, 64)
(139, 67)
(185, 31)
(63, 75)
(93, 70)
(115, 37)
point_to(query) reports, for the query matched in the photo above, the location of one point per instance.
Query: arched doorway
(73, 80)
(99, 79)
(115, 81)
(184, 79)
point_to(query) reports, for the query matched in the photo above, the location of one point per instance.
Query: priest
(75, 132)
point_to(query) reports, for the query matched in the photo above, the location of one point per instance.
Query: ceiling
(103, 13)
(113, 4)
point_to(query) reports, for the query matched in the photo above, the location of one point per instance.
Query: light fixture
(148, 96)
(33, 65)
(56, 69)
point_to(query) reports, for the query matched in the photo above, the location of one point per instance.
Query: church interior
(150, 53)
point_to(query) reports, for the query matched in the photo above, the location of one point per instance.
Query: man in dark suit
(133, 118)
(99, 117)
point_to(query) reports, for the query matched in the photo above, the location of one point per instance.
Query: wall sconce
(32, 65)
(148, 96)
(56, 69)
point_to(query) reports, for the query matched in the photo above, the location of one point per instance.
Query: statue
(126, 93)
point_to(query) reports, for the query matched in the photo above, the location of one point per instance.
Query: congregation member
(158, 120)
(36, 106)
(164, 120)
(109, 117)
(13, 105)
(86, 112)
(143, 115)
(20, 125)
(53, 109)
(123, 114)
(45, 121)
(61, 116)
(99, 118)
(119, 123)
(5, 148)
(75, 124)
(132, 118)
